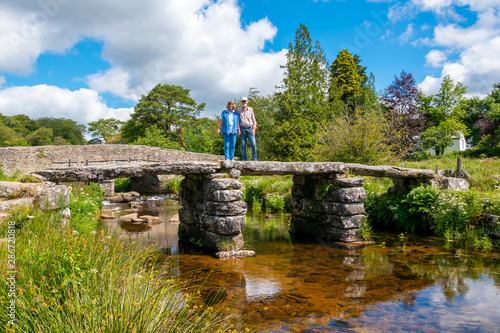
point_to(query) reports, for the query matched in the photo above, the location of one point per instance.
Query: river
(397, 284)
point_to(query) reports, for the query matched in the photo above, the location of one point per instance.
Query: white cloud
(82, 106)
(405, 36)
(198, 44)
(435, 58)
(430, 85)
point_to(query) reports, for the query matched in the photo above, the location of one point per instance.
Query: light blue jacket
(225, 122)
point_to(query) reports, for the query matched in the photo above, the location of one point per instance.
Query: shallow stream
(397, 284)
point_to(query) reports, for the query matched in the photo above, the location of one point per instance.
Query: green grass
(272, 192)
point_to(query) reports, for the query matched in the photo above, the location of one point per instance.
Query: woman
(230, 125)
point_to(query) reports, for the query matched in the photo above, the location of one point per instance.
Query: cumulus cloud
(475, 46)
(82, 106)
(435, 58)
(198, 44)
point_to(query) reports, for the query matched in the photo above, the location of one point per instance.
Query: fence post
(458, 173)
(69, 162)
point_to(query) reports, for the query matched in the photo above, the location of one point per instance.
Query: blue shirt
(226, 128)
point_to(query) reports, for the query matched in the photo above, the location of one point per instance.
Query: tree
(301, 102)
(358, 138)
(104, 128)
(440, 137)
(68, 129)
(201, 136)
(448, 102)
(401, 100)
(344, 76)
(41, 137)
(154, 137)
(168, 107)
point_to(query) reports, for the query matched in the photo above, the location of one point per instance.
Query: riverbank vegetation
(72, 276)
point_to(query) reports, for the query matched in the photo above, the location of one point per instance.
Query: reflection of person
(230, 126)
(248, 125)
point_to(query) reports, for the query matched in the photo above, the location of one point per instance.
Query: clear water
(393, 285)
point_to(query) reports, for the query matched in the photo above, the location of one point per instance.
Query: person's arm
(254, 123)
(239, 124)
(220, 125)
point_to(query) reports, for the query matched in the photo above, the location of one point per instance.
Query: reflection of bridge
(326, 201)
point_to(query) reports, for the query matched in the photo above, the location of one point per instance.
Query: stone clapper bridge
(327, 203)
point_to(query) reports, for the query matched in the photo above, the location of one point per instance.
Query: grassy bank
(71, 277)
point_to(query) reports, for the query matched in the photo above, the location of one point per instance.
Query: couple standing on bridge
(238, 122)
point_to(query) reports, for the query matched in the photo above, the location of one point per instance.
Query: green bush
(171, 185)
(420, 156)
(275, 203)
(122, 185)
(454, 211)
(274, 192)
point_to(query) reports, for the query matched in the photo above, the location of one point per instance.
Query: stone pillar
(212, 213)
(108, 186)
(328, 206)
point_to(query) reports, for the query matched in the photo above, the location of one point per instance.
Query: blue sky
(86, 60)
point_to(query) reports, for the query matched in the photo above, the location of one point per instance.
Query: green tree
(22, 124)
(9, 137)
(201, 136)
(448, 102)
(68, 129)
(154, 137)
(168, 107)
(104, 128)
(440, 137)
(344, 77)
(41, 137)
(301, 102)
(359, 138)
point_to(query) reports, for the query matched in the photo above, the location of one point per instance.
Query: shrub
(122, 185)
(171, 185)
(454, 211)
(275, 202)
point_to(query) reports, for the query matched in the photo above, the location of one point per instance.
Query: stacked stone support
(328, 206)
(212, 213)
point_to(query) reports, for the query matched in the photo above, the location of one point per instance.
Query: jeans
(247, 133)
(229, 143)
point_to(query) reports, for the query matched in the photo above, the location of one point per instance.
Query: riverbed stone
(128, 217)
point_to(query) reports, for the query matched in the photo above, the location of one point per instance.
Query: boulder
(54, 197)
(128, 217)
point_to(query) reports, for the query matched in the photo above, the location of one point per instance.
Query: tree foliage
(401, 100)
(67, 129)
(301, 101)
(358, 138)
(169, 108)
(105, 128)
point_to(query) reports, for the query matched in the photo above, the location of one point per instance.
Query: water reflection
(290, 286)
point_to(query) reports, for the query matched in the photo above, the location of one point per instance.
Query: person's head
(244, 100)
(230, 105)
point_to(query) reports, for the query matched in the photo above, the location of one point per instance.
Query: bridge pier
(212, 213)
(328, 207)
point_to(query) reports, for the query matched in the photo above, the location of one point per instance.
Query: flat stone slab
(389, 171)
(100, 173)
(257, 168)
(260, 168)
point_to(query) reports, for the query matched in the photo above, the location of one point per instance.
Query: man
(248, 125)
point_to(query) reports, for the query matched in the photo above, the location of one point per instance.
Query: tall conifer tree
(302, 100)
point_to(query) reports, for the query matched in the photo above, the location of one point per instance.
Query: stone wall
(212, 212)
(328, 207)
(27, 159)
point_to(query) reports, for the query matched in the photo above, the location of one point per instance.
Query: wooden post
(458, 173)
(437, 169)
(69, 162)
